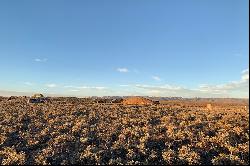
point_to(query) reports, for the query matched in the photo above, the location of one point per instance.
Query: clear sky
(183, 48)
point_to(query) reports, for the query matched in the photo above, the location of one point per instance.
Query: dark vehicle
(37, 98)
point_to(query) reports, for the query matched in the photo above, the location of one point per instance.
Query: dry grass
(69, 132)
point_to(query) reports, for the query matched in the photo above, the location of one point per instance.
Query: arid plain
(97, 131)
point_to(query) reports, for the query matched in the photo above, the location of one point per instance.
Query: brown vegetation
(78, 131)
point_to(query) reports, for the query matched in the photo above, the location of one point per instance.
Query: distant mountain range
(14, 93)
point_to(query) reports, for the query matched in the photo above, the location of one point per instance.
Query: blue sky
(133, 47)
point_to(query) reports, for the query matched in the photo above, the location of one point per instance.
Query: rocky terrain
(83, 131)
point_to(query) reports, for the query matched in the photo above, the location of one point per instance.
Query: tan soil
(137, 101)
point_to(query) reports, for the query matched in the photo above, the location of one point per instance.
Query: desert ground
(85, 131)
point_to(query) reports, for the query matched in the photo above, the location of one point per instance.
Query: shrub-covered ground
(82, 133)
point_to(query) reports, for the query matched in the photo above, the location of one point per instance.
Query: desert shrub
(9, 156)
(74, 131)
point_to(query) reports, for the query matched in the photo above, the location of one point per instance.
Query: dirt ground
(74, 131)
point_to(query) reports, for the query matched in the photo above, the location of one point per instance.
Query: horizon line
(27, 94)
